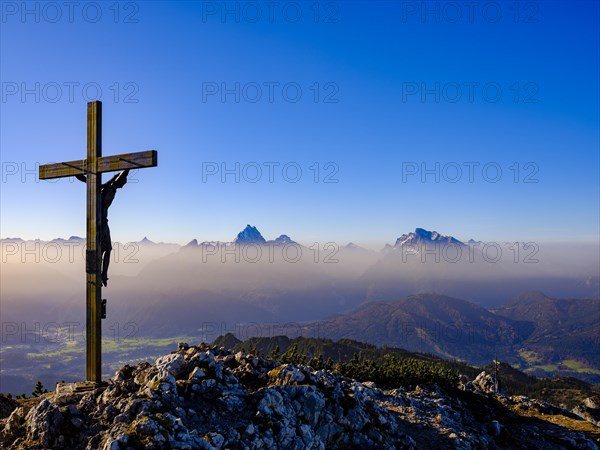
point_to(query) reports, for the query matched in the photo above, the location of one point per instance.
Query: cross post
(93, 167)
(93, 296)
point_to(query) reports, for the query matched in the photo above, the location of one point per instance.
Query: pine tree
(38, 389)
(329, 364)
(274, 354)
(316, 362)
(292, 356)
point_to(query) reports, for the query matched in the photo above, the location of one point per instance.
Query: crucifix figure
(107, 194)
(99, 198)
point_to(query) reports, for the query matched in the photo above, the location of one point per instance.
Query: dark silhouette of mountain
(534, 332)
(562, 329)
(444, 326)
(192, 244)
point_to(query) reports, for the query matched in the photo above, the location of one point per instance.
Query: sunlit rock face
(424, 237)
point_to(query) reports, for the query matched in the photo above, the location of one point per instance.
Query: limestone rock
(203, 397)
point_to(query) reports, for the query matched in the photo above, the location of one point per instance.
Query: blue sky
(365, 94)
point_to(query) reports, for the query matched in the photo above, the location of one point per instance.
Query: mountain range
(468, 310)
(539, 334)
(248, 236)
(251, 235)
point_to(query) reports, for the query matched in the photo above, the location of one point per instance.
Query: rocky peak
(204, 397)
(249, 235)
(146, 241)
(353, 247)
(192, 244)
(424, 237)
(283, 239)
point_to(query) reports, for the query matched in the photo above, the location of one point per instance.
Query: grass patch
(58, 353)
(544, 367)
(577, 366)
(530, 357)
(131, 344)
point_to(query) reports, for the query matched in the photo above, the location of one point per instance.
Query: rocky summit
(204, 397)
(249, 235)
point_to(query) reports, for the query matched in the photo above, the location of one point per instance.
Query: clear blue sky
(365, 64)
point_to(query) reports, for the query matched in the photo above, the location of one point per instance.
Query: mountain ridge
(455, 328)
(251, 235)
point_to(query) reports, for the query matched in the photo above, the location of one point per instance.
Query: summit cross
(92, 169)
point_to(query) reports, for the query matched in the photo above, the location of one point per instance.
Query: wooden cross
(92, 167)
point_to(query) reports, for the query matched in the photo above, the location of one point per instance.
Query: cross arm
(61, 170)
(137, 160)
(113, 163)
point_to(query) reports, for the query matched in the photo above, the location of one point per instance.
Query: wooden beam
(61, 170)
(93, 297)
(136, 160)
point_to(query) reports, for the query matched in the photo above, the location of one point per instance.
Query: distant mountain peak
(250, 235)
(353, 247)
(192, 244)
(146, 241)
(422, 232)
(283, 239)
(422, 236)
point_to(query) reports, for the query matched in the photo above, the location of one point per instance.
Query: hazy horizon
(370, 244)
